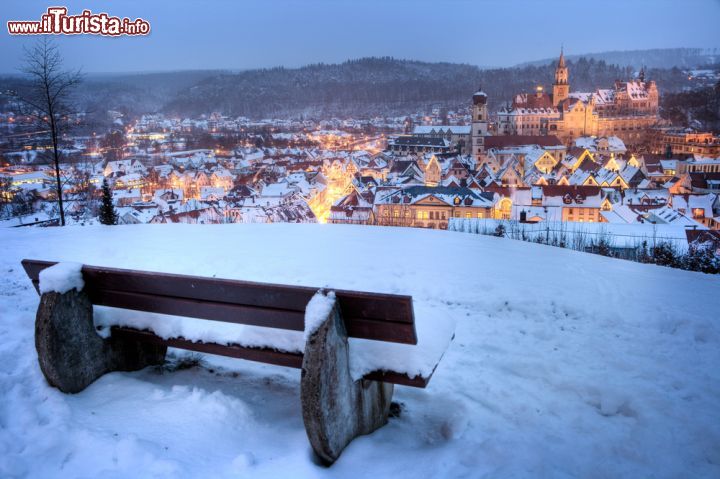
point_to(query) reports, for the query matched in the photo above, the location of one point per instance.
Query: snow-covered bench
(336, 405)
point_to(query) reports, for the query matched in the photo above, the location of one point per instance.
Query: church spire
(561, 72)
(561, 88)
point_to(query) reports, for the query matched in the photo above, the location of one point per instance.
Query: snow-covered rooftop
(441, 129)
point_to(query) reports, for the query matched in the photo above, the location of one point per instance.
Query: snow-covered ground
(564, 364)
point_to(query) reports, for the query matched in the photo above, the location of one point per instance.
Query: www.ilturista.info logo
(57, 22)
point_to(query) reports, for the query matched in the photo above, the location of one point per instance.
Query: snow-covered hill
(564, 364)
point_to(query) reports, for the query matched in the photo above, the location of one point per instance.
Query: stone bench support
(335, 408)
(71, 353)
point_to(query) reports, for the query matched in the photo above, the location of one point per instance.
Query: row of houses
(534, 179)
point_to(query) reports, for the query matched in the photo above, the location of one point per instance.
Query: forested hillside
(357, 88)
(697, 108)
(386, 86)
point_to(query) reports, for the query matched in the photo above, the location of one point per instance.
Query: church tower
(561, 89)
(479, 123)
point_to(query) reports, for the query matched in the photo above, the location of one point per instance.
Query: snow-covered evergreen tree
(701, 257)
(664, 254)
(108, 215)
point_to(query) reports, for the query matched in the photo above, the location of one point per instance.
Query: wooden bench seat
(65, 338)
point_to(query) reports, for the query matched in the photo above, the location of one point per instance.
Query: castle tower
(561, 88)
(479, 123)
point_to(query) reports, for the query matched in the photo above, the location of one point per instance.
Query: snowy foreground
(564, 364)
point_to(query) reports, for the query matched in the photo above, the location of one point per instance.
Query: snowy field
(564, 364)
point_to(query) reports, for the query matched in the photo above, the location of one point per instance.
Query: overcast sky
(262, 33)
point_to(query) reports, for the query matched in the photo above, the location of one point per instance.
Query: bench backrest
(380, 317)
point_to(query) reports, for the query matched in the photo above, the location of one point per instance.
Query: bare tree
(48, 99)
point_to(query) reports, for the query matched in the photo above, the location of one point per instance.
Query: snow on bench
(352, 346)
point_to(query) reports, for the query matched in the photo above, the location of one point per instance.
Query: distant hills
(363, 87)
(388, 86)
(654, 58)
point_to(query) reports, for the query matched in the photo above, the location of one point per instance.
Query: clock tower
(479, 123)
(561, 88)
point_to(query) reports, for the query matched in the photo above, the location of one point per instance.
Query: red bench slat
(382, 317)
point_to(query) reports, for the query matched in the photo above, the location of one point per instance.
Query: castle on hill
(626, 110)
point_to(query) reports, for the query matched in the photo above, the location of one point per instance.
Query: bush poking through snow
(603, 246)
(665, 255)
(396, 409)
(701, 258)
(182, 362)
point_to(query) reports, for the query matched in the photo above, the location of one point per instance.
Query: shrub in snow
(603, 246)
(701, 258)
(500, 231)
(664, 254)
(181, 362)
(61, 278)
(563, 238)
(643, 256)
